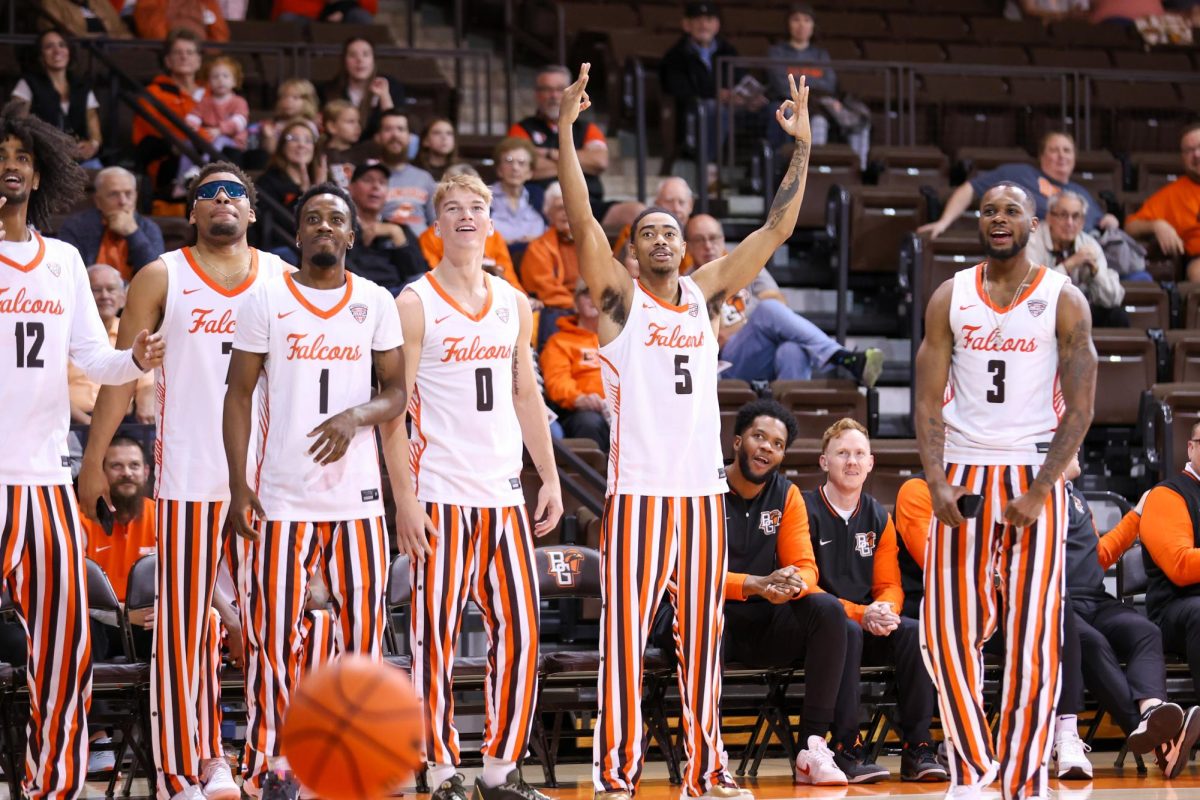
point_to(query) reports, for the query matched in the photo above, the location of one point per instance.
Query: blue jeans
(777, 344)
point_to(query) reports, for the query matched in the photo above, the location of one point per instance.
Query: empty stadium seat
(928, 27)
(1158, 122)
(1175, 409)
(828, 165)
(1008, 55)
(340, 32)
(896, 460)
(1155, 170)
(1127, 367)
(1097, 171)
(1086, 34)
(1189, 296)
(1184, 346)
(1147, 305)
(981, 159)
(852, 24)
(1069, 58)
(733, 394)
(879, 217)
(951, 252)
(911, 166)
(996, 30)
(818, 404)
(920, 52)
(1154, 61)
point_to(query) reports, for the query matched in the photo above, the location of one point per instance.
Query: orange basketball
(353, 730)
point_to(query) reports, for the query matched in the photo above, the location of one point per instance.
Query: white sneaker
(218, 780)
(721, 792)
(1070, 757)
(815, 766)
(102, 760)
(975, 790)
(189, 793)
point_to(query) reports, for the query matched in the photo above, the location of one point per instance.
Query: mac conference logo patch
(1036, 307)
(358, 311)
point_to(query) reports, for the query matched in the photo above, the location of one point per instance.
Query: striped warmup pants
(651, 544)
(964, 568)
(282, 640)
(486, 553)
(41, 558)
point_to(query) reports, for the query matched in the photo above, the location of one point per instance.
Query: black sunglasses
(210, 190)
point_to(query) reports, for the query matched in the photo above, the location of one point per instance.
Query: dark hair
(326, 188)
(219, 166)
(1194, 125)
(395, 112)
(62, 182)
(422, 159)
(1029, 203)
(174, 36)
(35, 54)
(1046, 137)
(633, 226)
(340, 85)
(765, 408)
(278, 161)
(121, 440)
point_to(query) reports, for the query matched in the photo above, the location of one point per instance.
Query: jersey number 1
(30, 335)
(996, 393)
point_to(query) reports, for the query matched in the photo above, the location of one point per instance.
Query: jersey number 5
(996, 393)
(683, 384)
(30, 336)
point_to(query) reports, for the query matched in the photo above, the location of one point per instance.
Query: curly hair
(326, 188)
(62, 182)
(766, 408)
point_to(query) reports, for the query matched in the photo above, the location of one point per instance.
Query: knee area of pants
(824, 606)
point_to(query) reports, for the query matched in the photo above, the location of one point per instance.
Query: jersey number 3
(996, 393)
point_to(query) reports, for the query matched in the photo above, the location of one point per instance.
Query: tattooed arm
(723, 277)
(1077, 376)
(933, 372)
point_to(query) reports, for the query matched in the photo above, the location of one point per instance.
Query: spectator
(154, 18)
(439, 149)
(296, 98)
(571, 369)
(224, 115)
(359, 82)
(410, 189)
(1063, 244)
(113, 232)
(858, 562)
(63, 99)
(1172, 214)
(355, 12)
(775, 616)
(673, 195)
(761, 337)
(542, 129)
(813, 63)
(178, 90)
(389, 254)
(83, 18)
(516, 204)
(295, 166)
(1056, 162)
(108, 289)
(340, 121)
(550, 266)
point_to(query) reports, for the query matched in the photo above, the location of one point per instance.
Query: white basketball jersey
(198, 326)
(1003, 399)
(466, 439)
(47, 316)
(318, 345)
(660, 374)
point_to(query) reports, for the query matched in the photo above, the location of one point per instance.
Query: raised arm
(933, 372)
(721, 278)
(607, 279)
(535, 426)
(1077, 378)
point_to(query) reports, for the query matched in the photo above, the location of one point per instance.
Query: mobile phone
(970, 505)
(104, 515)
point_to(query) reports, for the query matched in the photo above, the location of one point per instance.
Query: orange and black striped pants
(486, 554)
(652, 544)
(282, 640)
(41, 559)
(973, 574)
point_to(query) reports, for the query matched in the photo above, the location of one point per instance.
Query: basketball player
(317, 503)
(191, 296)
(1006, 378)
(474, 401)
(47, 316)
(664, 518)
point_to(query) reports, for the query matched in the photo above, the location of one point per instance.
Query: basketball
(353, 730)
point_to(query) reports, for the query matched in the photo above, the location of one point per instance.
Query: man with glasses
(191, 296)
(542, 129)
(761, 338)
(1172, 214)
(516, 203)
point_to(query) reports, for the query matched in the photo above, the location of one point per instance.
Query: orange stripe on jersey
(418, 442)
(302, 300)
(216, 287)
(33, 262)
(660, 301)
(1041, 271)
(613, 392)
(487, 303)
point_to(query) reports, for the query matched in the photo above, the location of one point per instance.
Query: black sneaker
(450, 789)
(850, 761)
(919, 763)
(865, 366)
(280, 787)
(1158, 725)
(1174, 755)
(513, 788)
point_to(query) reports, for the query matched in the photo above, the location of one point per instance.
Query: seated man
(571, 372)
(857, 559)
(550, 266)
(1172, 214)
(388, 252)
(761, 337)
(113, 232)
(774, 614)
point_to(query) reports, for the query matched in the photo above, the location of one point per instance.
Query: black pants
(1180, 624)
(586, 425)
(901, 650)
(811, 629)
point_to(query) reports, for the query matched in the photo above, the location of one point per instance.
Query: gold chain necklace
(237, 276)
(987, 288)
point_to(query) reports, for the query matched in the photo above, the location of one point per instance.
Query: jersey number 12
(30, 336)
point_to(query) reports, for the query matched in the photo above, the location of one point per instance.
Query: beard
(1003, 254)
(324, 259)
(223, 230)
(747, 469)
(15, 198)
(127, 500)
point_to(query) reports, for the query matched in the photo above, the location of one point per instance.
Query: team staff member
(774, 614)
(857, 556)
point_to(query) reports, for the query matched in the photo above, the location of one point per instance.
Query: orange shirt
(155, 18)
(685, 266)
(793, 546)
(571, 363)
(550, 270)
(83, 391)
(1119, 539)
(117, 553)
(1166, 531)
(164, 89)
(914, 509)
(1179, 204)
(495, 251)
